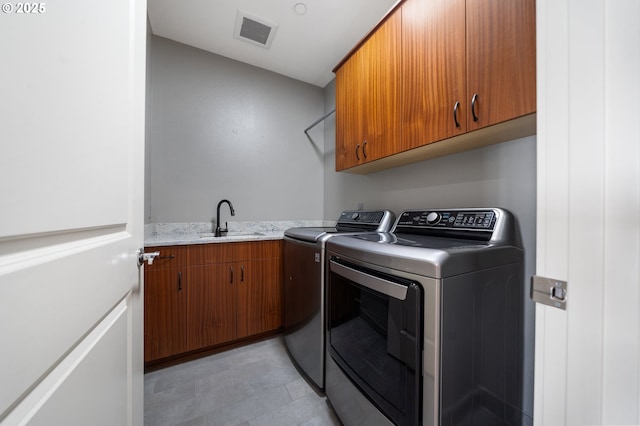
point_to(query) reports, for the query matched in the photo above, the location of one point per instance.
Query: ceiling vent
(255, 30)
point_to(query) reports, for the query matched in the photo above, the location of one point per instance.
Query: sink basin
(232, 234)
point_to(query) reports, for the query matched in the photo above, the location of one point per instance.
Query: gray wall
(502, 175)
(221, 129)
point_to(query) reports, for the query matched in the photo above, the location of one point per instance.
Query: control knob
(433, 218)
(355, 216)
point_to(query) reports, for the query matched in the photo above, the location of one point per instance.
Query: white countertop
(173, 234)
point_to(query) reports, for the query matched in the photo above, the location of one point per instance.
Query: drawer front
(206, 254)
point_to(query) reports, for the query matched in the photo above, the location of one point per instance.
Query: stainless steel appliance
(304, 260)
(425, 322)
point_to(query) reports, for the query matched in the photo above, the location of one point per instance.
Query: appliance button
(433, 218)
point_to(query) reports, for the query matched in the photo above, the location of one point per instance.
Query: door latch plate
(549, 291)
(146, 257)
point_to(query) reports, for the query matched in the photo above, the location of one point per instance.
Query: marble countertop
(173, 234)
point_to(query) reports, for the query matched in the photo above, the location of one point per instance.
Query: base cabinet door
(260, 298)
(211, 306)
(164, 313)
(165, 304)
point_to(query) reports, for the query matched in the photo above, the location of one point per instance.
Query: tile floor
(255, 385)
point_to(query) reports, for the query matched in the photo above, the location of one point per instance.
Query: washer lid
(309, 234)
(350, 221)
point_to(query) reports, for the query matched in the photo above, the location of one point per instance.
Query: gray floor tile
(255, 385)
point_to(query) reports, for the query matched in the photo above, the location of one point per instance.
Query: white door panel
(72, 85)
(588, 357)
(65, 86)
(87, 387)
(51, 305)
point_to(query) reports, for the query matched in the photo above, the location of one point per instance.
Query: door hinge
(549, 291)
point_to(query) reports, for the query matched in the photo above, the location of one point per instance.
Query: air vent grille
(256, 30)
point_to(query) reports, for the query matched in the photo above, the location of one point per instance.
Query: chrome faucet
(219, 230)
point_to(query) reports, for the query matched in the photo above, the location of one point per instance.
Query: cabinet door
(381, 103)
(433, 73)
(368, 99)
(501, 60)
(259, 297)
(164, 313)
(349, 122)
(211, 305)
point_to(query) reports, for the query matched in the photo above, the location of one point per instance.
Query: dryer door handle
(395, 290)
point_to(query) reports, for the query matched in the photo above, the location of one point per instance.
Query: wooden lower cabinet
(165, 309)
(211, 307)
(226, 292)
(260, 298)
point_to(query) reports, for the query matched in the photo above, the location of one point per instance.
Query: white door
(588, 357)
(72, 83)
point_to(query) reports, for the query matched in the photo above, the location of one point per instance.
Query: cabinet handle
(473, 106)
(364, 149)
(231, 274)
(455, 113)
(357, 152)
(242, 273)
(179, 281)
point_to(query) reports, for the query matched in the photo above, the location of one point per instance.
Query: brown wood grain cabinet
(368, 98)
(165, 303)
(433, 70)
(466, 78)
(229, 291)
(501, 60)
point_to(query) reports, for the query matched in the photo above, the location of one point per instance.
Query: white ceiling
(305, 47)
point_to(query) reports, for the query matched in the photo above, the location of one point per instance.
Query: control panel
(360, 216)
(365, 220)
(448, 219)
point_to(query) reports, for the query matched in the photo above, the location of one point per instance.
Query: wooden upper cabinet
(433, 71)
(501, 60)
(368, 98)
(349, 123)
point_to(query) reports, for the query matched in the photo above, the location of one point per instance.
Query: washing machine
(425, 323)
(303, 287)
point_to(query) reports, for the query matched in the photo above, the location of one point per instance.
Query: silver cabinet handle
(242, 273)
(357, 152)
(473, 106)
(455, 113)
(179, 281)
(231, 274)
(364, 149)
